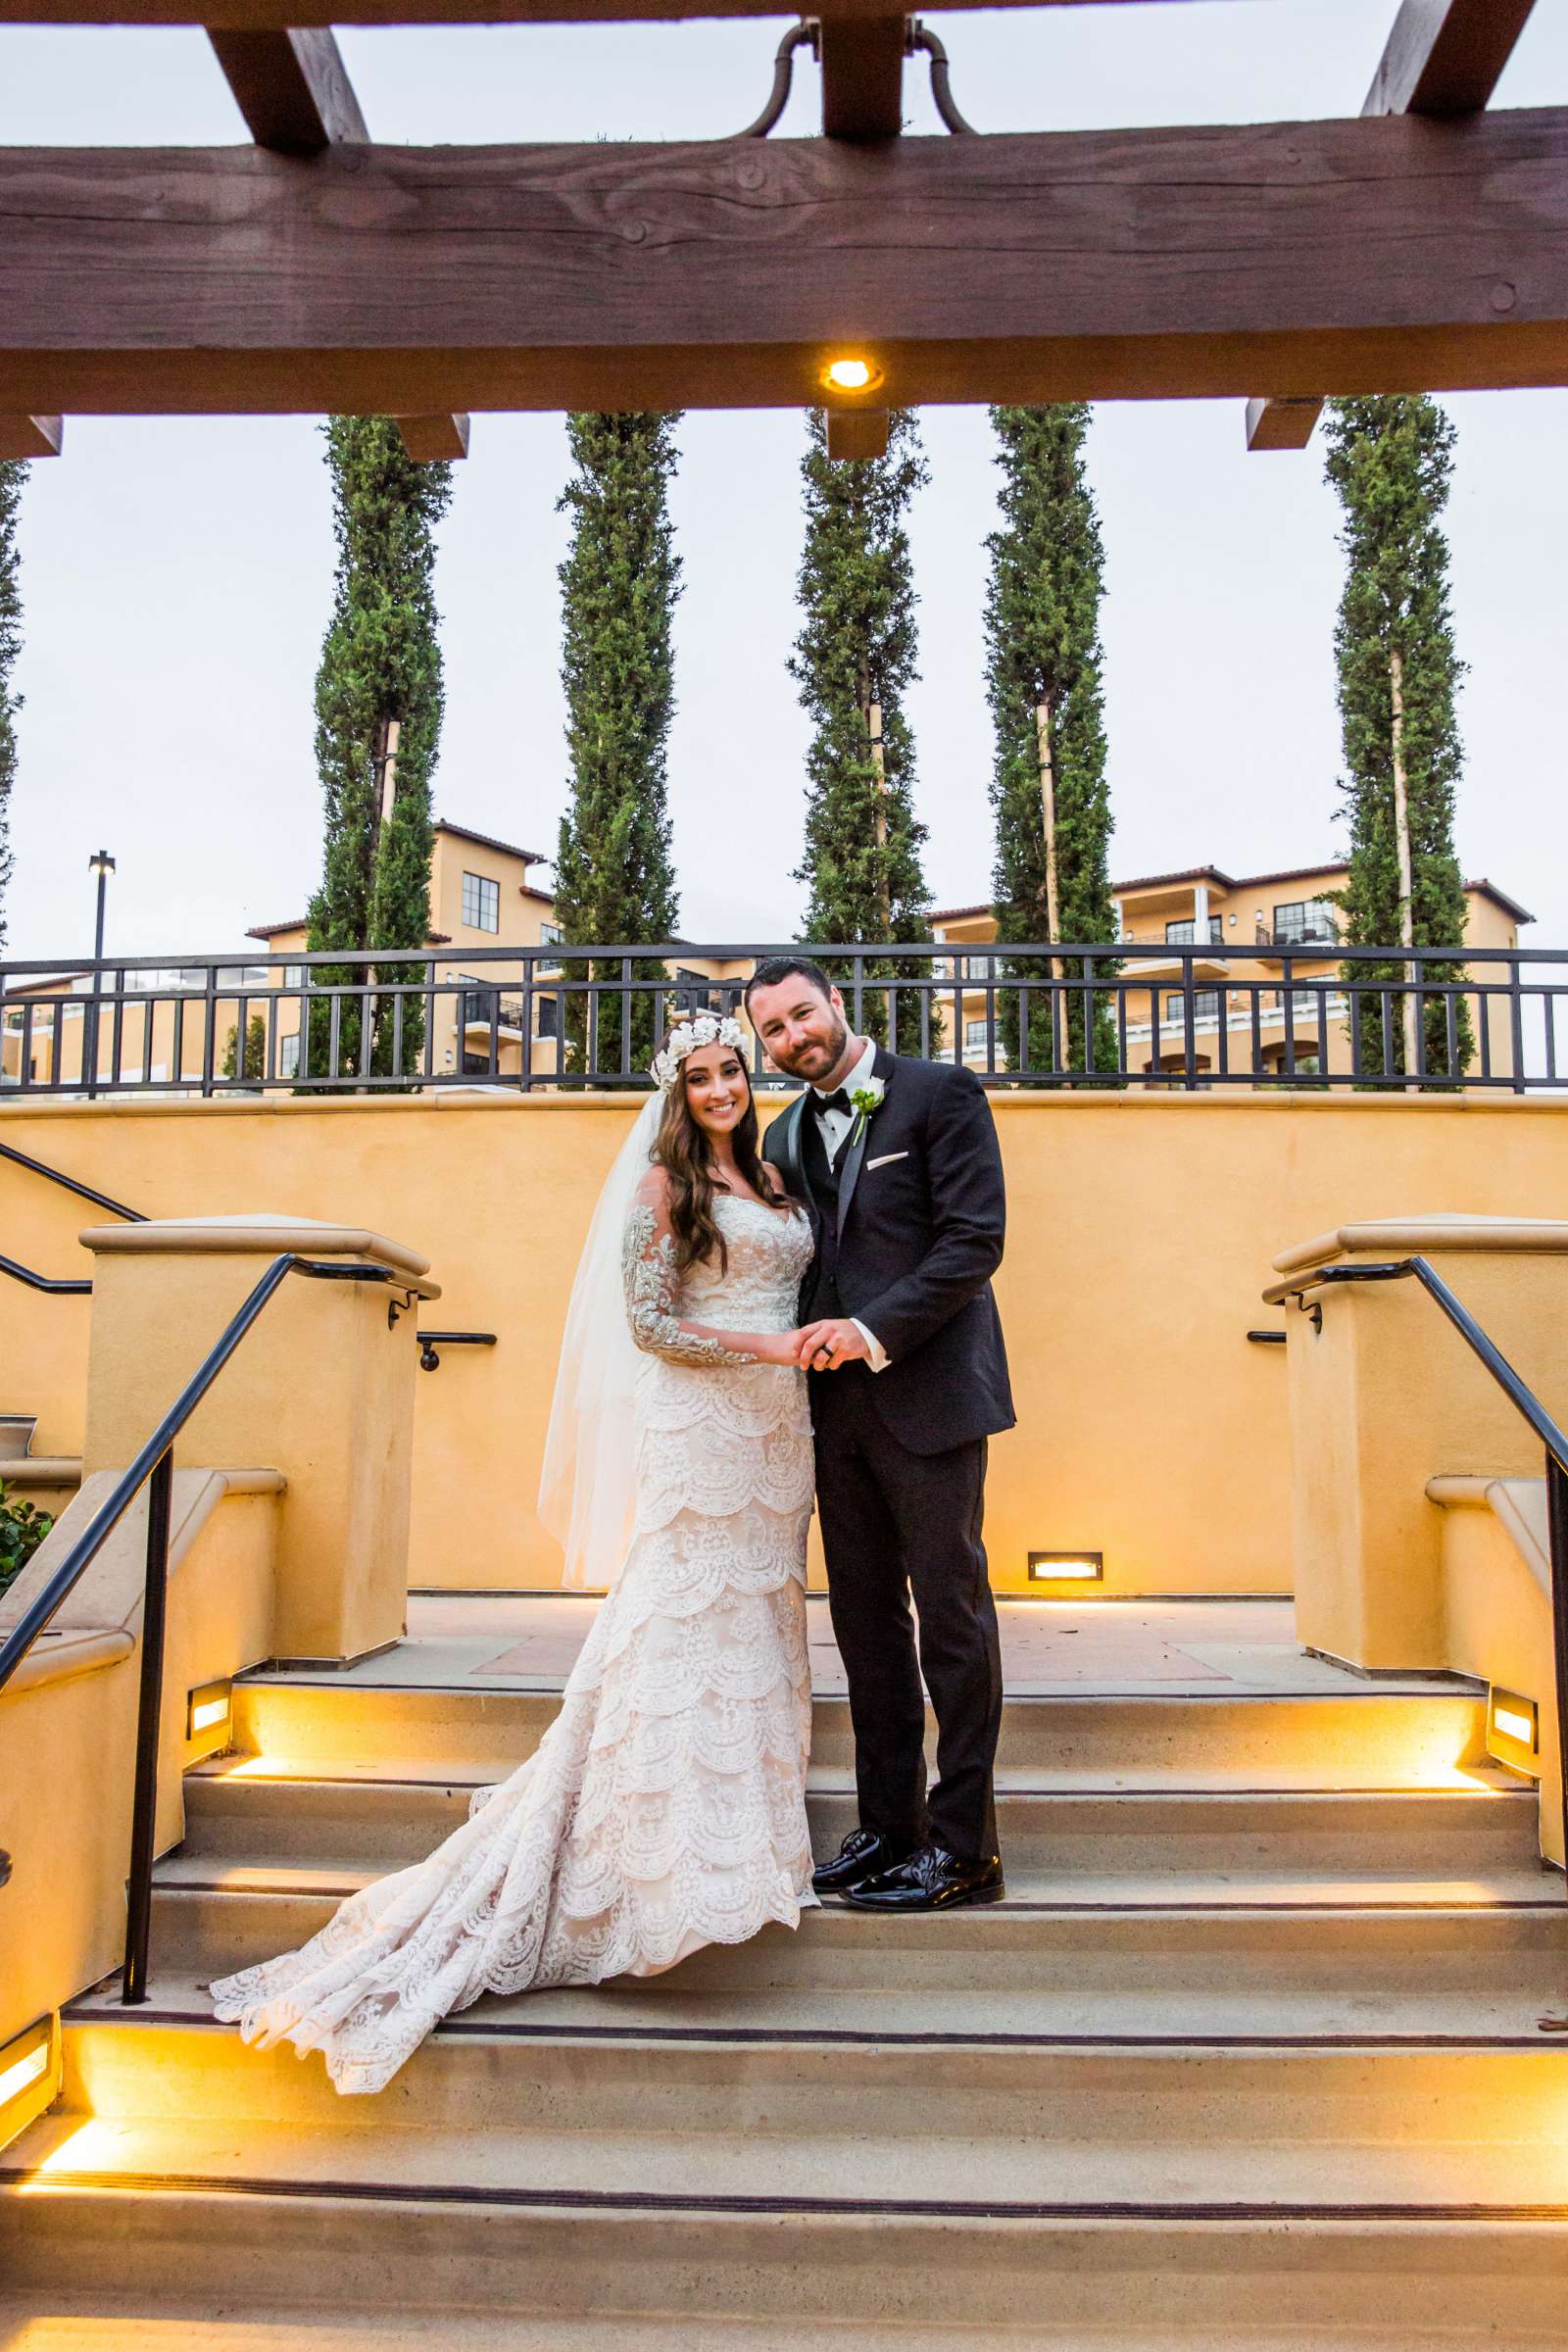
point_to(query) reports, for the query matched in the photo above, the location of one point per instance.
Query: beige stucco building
(1289, 915)
(483, 901)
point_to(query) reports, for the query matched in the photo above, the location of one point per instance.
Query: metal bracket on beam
(862, 76)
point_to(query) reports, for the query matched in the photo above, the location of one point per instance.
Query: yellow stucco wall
(1142, 1233)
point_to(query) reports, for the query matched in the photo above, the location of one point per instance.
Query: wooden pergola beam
(291, 86)
(1443, 59)
(31, 437)
(1281, 423)
(856, 433)
(281, 15)
(863, 77)
(1388, 253)
(294, 91)
(432, 439)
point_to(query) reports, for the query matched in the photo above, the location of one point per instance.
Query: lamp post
(103, 865)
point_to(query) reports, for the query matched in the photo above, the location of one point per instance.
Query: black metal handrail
(153, 1467)
(57, 1285)
(430, 1340)
(1552, 1437)
(1122, 1013)
(71, 1184)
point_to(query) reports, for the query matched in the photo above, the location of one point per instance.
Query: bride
(665, 1806)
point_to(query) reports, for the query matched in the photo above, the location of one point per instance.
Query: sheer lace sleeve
(647, 1269)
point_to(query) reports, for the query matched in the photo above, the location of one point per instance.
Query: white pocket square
(885, 1158)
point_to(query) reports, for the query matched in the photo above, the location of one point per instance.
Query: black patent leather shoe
(864, 1853)
(931, 1880)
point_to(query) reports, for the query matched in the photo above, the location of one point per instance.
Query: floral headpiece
(703, 1029)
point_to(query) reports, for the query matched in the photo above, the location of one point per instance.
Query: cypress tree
(1044, 682)
(854, 661)
(379, 704)
(11, 480)
(615, 876)
(1390, 459)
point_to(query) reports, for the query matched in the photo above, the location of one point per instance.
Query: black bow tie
(837, 1101)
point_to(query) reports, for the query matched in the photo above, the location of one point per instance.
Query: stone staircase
(1248, 2058)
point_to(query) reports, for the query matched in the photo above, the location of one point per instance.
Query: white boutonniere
(867, 1101)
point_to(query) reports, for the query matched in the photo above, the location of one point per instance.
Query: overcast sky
(177, 573)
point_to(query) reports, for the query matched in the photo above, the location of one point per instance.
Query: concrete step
(236, 2238)
(75, 2322)
(246, 1817)
(1365, 1737)
(1112, 1978)
(211, 1918)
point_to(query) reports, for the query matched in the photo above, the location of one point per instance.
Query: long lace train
(665, 1807)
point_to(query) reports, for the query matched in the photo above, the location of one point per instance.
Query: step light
(23, 2062)
(207, 1713)
(1066, 1567)
(1514, 1731)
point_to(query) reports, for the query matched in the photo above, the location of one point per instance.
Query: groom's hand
(827, 1344)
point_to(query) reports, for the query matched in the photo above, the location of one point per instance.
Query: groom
(898, 1164)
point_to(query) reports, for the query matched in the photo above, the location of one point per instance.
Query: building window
(293, 975)
(1205, 1005)
(549, 1016)
(481, 902)
(1185, 935)
(1306, 922)
(550, 935)
(288, 1055)
(974, 1037)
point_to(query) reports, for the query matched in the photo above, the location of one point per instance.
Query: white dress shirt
(835, 1125)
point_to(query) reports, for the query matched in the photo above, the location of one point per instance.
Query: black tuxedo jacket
(921, 1218)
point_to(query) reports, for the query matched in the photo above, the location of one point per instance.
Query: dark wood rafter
(281, 15)
(1383, 254)
(31, 437)
(1282, 423)
(855, 433)
(862, 76)
(429, 438)
(1443, 59)
(293, 89)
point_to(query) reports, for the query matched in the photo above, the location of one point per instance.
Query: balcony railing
(1018, 1016)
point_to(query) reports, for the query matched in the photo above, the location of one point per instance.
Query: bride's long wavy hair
(683, 1149)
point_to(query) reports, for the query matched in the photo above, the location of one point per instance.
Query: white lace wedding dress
(665, 1806)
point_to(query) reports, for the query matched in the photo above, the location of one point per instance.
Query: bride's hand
(780, 1348)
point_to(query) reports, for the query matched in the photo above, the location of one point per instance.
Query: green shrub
(22, 1528)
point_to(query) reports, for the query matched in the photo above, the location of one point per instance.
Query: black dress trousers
(896, 1524)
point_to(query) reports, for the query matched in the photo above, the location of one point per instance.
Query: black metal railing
(1126, 1013)
(57, 1285)
(153, 1467)
(1554, 1440)
(431, 1340)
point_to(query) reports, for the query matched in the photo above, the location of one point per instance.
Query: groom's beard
(813, 1064)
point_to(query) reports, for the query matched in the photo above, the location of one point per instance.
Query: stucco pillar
(1385, 1395)
(320, 1388)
